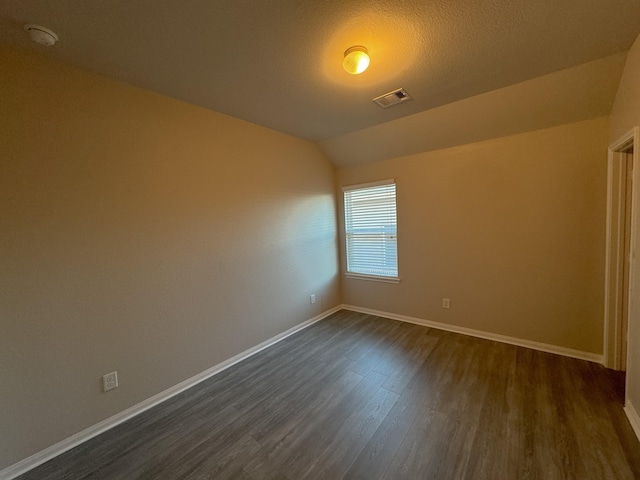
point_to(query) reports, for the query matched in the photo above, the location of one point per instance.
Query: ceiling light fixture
(356, 60)
(41, 35)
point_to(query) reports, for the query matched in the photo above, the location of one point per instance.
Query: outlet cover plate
(109, 381)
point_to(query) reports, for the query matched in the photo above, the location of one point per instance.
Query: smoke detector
(41, 35)
(392, 98)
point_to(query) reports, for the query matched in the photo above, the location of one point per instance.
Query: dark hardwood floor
(362, 397)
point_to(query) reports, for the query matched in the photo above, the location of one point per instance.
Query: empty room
(300, 239)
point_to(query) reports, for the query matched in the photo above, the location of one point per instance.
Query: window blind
(371, 230)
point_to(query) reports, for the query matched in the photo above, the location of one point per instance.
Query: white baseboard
(59, 448)
(53, 451)
(544, 347)
(634, 418)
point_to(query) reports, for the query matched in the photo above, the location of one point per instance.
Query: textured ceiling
(277, 63)
(571, 95)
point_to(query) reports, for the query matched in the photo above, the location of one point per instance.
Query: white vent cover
(392, 98)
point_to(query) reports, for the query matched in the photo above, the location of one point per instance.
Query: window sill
(373, 278)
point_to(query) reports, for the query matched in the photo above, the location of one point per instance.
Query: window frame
(367, 276)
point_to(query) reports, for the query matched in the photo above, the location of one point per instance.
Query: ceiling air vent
(392, 98)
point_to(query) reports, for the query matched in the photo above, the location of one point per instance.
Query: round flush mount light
(356, 60)
(41, 35)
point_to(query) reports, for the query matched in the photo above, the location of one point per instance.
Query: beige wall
(143, 235)
(625, 116)
(510, 229)
(626, 108)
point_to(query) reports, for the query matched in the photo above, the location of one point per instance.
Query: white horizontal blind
(371, 230)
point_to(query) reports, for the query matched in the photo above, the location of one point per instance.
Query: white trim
(612, 325)
(373, 278)
(626, 140)
(59, 448)
(543, 347)
(609, 360)
(634, 418)
(379, 183)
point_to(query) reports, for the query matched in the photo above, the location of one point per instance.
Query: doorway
(622, 188)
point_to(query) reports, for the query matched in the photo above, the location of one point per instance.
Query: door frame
(614, 258)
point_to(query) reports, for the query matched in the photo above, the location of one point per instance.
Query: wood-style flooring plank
(374, 460)
(353, 435)
(357, 396)
(294, 453)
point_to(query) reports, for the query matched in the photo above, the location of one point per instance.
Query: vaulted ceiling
(278, 63)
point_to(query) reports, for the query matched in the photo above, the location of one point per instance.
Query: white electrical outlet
(312, 299)
(446, 303)
(109, 381)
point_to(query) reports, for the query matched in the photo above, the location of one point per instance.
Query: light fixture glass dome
(356, 60)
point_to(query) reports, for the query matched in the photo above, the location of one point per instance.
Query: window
(371, 231)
